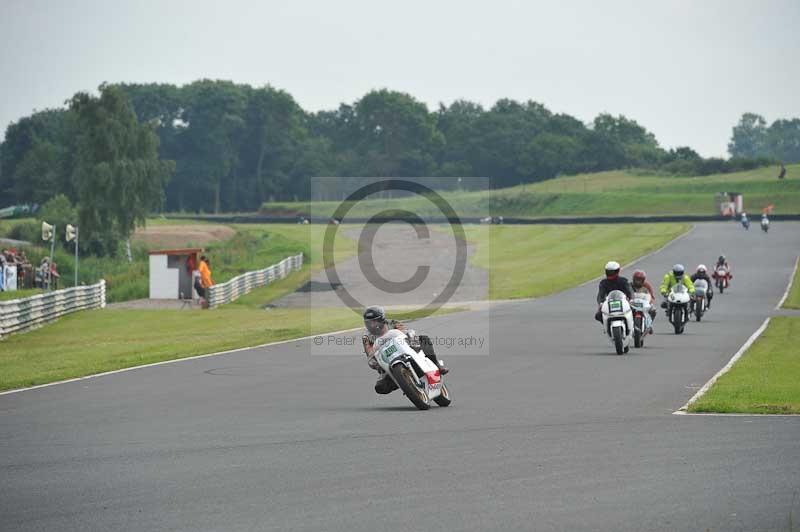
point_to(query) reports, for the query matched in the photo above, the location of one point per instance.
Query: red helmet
(639, 276)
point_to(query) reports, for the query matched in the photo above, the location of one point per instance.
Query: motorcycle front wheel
(618, 340)
(638, 334)
(677, 319)
(406, 381)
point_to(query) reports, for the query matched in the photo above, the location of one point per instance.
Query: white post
(76, 257)
(50, 264)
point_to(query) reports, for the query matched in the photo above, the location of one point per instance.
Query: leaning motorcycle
(642, 321)
(721, 277)
(678, 307)
(700, 298)
(618, 320)
(415, 374)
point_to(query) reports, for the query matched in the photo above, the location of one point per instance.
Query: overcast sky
(686, 70)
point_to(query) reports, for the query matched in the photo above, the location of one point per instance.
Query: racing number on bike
(389, 351)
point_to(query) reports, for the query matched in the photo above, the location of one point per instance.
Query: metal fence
(222, 293)
(19, 315)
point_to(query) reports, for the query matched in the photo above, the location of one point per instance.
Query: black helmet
(678, 270)
(374, 318)
(721, 259)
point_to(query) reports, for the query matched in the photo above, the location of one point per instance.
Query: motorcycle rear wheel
(405, 380)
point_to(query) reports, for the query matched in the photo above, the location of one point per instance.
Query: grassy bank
(604, 193)
(17, 294)
(765, 379)
(533, 261)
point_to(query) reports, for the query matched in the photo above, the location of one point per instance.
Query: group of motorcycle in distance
(625, 320)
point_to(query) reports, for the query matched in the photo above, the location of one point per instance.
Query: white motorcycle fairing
(618, 320)
(392, 350)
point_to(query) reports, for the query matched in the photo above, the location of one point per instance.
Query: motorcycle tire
(677, 320)
(405, 380)
(698, 313)
(618, 340)
(444, 399)
(638, 333)
(721, 287)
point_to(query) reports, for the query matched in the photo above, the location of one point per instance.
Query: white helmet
(702, 268)
(612, 269)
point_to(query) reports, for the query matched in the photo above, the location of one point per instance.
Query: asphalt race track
(550, 432)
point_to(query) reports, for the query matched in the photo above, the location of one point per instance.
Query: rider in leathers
(377, 325)
(702, 273)
(613, 281)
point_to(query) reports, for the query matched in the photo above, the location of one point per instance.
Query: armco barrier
(222, 293)
(22, 314)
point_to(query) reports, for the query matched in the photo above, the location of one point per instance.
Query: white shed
(171, 273)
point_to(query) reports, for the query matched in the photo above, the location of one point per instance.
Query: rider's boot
(427, 348)
(385, 384)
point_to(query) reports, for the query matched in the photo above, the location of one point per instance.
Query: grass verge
(793, 299)
(96, 341)
(534, 260)
(764, 380)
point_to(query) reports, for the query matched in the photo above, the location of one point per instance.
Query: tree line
(217, 146)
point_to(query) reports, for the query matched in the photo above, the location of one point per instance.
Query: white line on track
(684, 410)
(173, 361)
(789, 286)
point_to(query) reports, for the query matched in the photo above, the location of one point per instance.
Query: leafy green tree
(749, 137)
(783, 140)
(118, 175)
(34, 158)
(215, 123)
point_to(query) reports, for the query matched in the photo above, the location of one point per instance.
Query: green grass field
(793, 299)
(534, 261)
(604, 193)
(765, 379)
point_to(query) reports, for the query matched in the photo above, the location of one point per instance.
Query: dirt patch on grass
(184, 235)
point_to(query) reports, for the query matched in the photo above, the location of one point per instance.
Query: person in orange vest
(205, 272)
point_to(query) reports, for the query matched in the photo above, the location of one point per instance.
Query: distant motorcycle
(618, 320)
(722, 277)
(700, 298)
(678, 307)
(746, 224)
(765, 225)
(642, 321)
